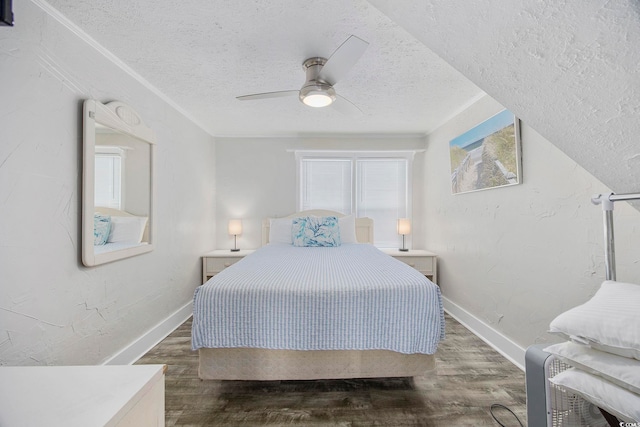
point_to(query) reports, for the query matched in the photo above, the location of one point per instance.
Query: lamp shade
(235, 226)
(404, 226)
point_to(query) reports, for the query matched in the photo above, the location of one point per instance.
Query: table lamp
(404, 228)
(235, 228)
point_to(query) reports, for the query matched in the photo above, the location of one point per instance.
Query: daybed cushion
(621, 371)
(613, 399)
(608, 322)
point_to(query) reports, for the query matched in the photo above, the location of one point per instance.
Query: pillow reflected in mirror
(128, 229)
(101, 228)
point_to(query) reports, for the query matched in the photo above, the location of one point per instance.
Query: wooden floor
(469, 378)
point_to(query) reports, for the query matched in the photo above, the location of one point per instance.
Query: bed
(295, 313)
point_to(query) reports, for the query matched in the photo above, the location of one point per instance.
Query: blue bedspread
(350, 297)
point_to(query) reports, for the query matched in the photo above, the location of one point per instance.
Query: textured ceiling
(202, 54)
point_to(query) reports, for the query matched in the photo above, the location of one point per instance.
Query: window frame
(353, 156)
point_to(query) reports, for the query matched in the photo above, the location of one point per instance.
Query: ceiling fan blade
(346, 107)
(279, 94)
(341, 61)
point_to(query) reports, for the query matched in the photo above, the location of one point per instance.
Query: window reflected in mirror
(108, 176)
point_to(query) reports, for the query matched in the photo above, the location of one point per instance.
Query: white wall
(256, 179)
(516, 257)
(53, 310)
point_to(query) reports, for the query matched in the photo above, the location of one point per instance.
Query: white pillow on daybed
(621, 371)
(610, 321)
(613, 399)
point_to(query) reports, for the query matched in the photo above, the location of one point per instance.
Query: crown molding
(64, 21)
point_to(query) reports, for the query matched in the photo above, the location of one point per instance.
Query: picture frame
(6, 13)
(487, 156)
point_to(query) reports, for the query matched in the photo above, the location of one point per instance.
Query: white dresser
(82, 396)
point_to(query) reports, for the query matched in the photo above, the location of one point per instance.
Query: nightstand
(423, 261)
(215, 261)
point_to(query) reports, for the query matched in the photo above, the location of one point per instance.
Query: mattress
(350, 297)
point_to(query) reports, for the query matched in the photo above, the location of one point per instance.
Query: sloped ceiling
(203, 54)
(569, 69)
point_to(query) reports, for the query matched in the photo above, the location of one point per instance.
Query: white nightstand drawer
(423, 264)
(216, 265)
(216, 261)
(423, 261)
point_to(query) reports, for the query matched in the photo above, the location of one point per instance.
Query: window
(327, 184)
(108, 177)
(371, 184)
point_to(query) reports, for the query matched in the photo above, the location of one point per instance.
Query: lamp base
(403, 250)
(234, 250)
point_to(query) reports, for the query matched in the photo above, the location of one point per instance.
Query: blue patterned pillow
(101, 228)
(316, 231)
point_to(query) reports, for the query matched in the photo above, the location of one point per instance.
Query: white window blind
(326, 184)
(109, 179)
(382, 196)
(363, 183)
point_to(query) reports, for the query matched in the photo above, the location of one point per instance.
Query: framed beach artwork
(487, 156)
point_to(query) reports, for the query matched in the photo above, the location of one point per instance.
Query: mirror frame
(124, 119)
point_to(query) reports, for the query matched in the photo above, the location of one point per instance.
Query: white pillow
(347, 226)
(609, 321)
(613, 399)
(621, 371)
(280, 230)
(127, 229)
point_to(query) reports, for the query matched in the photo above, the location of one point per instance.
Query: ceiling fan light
(317, 100)
(317, 95)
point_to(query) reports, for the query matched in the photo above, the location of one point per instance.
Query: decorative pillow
(347, 225)
(316, 231)
(101, 228)
(608, 322)
(613, 399)
(621, 371)
(128, 229)
(280, 230)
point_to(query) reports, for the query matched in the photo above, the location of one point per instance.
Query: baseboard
(146, 342)
(503, 345)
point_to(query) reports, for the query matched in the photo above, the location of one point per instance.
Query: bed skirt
(268, 365)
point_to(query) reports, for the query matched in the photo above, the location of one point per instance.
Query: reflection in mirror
(117, 184)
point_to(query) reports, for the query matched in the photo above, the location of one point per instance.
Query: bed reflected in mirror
(117, 184)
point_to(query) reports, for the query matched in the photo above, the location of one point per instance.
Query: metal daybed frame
(607, 200)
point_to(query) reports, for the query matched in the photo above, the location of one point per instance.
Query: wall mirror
(117, 183)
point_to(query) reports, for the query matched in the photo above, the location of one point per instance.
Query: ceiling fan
(322, 74)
